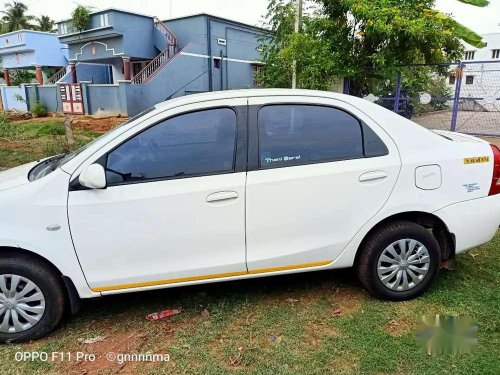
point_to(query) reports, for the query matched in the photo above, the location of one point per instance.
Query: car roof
(251, 93)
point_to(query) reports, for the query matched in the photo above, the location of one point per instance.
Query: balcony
(100, 27)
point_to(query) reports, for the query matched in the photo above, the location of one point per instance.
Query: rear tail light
(495, 183)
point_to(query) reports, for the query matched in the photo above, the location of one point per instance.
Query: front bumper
(473, 222)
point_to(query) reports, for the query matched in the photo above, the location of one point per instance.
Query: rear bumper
(472, 222)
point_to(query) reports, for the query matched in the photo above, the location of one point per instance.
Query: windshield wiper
(55, 161)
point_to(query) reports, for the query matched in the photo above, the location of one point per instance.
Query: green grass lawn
(22, 142)
(275, 325)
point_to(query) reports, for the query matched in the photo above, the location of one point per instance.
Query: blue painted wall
(90, 72)
(93, 73)
(103, 100)
(126, 34)
(9, 98)
(49, 95)
(28, 48)
(184, 74)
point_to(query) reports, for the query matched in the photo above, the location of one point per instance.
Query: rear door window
(303, 134)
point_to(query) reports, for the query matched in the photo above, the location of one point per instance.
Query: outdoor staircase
(57, 76)
(155, 65)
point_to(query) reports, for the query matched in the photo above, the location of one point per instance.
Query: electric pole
(298, 27)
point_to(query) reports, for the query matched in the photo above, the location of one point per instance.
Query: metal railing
(149, 70)
(159, 61)
(169, 36)
(57, 76)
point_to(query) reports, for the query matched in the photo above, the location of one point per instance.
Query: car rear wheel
(398, 261)
(32, 299)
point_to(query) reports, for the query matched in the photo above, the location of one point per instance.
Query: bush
(56, 146)
(21, 76)
(39, 109)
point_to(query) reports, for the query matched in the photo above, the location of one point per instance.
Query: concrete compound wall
(101, 100)
(9, 100)
(104, 100)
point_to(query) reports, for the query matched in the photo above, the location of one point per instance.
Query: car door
(318, 170)
(173, 209)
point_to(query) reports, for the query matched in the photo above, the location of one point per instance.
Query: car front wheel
(398, 261)
(32, 298)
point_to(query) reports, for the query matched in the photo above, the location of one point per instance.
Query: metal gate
(476, 108)
(462, 97)
(72, 99)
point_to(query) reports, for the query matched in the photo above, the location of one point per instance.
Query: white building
(481, 75)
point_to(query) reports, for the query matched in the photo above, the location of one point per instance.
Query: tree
(80, 17)
(364, 40)
(462, 31)
(45, 23)
(15, 17)
(19, 76)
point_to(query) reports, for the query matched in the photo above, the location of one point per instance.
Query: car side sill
(209, 278)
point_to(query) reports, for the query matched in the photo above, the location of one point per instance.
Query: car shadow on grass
(227, 292)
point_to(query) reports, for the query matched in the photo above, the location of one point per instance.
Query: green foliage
(45, 23)
(19, 98)
(30, 130)
(15, 17)
(363, 40)
(38, 109)
(478, 3)
(6, 128)
(19, 76)
(80, 17)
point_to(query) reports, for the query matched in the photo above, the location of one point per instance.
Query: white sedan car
(241, 184)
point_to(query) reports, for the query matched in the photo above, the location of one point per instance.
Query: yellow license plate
(478, 159)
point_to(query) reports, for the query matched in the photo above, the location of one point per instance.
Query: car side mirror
(93, 177)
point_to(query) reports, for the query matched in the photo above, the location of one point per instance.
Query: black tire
(367, 259)
(50, 284)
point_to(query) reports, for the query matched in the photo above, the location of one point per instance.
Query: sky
(482, 20)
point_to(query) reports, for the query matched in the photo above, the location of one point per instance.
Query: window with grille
(495, 54)
(469, 80)
(469, 55)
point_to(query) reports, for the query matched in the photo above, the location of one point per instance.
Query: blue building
(33, 50)
(144, 60)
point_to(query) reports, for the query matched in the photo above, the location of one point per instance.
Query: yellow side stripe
(295, 266)
(207, 277)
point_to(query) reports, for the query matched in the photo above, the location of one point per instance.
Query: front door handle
(222, 196)
(372, 176)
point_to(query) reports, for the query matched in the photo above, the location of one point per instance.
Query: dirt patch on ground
(343, 364)
(101, 124)
(347, 300)
(397, 328)
(97, 124)
(114, 353)
(16, 146)
(316, 331)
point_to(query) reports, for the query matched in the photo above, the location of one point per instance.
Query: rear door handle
(372, 176)
(222, 196)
